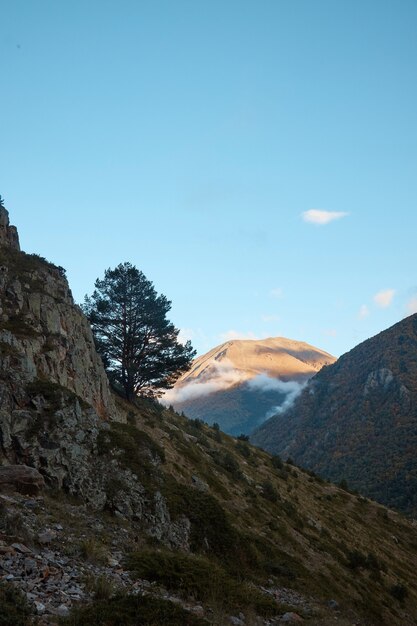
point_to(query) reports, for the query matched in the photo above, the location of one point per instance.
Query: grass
(201, 579)
(14, 608)
(131, 611)
(135, 449)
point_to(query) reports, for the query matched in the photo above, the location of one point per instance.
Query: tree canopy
(138, 344)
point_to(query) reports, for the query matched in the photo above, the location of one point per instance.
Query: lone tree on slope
(139, 346)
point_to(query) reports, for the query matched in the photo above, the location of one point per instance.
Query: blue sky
(190, 137)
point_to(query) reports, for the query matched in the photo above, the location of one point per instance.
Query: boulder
(22, 478)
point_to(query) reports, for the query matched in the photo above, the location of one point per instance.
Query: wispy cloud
(411, 306)
(291, 388)
(330, 332)
(276, 293)
(318, 216)
(220, 375)
(383, 298)
(363, 312)
(231, 334)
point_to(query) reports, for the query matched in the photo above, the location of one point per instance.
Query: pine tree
(138, 345)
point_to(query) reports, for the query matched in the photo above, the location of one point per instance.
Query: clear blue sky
(190, 136)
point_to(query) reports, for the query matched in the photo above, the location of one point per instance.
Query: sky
(256, 159)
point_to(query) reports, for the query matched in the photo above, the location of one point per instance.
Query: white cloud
(220, 375)
(363, 312)
(231, 334)
(276, 293)
(270, 318)
(292, 389)
(330, 332)
(411, 306)
(384, 298)
(317, 216)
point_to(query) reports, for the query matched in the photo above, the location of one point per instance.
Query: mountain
(241, 382)
(128, 513)
(356, 420)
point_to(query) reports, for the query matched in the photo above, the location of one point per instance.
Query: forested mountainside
(356, 420)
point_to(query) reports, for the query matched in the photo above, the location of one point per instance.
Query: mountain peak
(238, 383)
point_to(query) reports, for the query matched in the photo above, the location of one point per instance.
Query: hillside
(118, 513)
(241, 382)
(357, 419)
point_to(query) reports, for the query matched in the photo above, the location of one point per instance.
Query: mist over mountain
(242, 382)
(357, 419)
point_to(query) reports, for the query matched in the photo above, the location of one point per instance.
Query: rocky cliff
(43, 334)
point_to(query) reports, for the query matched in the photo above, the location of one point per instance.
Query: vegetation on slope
(262, 523)
(356, 419)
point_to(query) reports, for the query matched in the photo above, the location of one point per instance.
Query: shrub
(243, 449)
(276, 462)
(269, 492)
(14, 608)
(399, 592)
(199, 578)
(131, 611)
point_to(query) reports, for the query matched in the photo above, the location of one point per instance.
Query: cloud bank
(222, 376)
(317, 216)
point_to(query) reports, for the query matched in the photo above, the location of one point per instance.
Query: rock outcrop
(44, 335)
(8, 234)
(21, 478)
(56, 405)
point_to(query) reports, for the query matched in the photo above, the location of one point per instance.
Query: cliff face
(8, 233)
(55, 401)
(43, 334)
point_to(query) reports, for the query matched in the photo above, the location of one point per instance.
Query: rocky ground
(46, 553)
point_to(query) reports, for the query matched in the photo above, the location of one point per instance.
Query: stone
(62, 610)
(40, 607)
(291, 618)
(45, 537)
(333, 604)
(20, 547)
(199, 484)
(22, 478)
